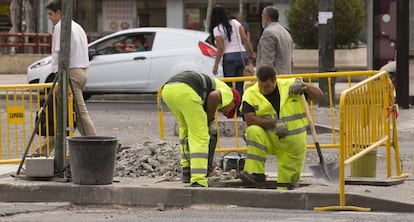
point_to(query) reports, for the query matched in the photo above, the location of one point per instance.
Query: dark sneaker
(195, 184)
(186, 175)
(252, 178)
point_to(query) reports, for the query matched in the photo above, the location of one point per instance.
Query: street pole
(326, 47)
(402, 72)
(208, 16)
(62, 99)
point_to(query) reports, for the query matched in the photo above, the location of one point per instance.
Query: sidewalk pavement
(154, 192)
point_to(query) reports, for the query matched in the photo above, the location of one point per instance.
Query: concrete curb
(15, 191)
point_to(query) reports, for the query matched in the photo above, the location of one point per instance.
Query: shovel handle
(308, 115)
(312, 128)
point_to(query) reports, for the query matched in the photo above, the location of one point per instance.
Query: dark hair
(219, 16)
(272, 12)
(266, 72)
(54, 5)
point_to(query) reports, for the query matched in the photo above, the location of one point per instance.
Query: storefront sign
(118, 15)
(192, 18)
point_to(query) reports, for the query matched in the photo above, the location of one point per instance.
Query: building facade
(106, 16)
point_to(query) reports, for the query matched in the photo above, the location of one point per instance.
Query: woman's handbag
(248, 69)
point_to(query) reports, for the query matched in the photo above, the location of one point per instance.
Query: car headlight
(41, 63)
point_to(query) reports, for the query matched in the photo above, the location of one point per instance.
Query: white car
(113, 69)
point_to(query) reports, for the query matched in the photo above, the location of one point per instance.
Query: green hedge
(349, 20)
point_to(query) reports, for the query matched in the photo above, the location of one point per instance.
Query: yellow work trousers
(289, 151)
(187, 107)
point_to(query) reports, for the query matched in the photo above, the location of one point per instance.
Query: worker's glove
(212, 128)
(281, 128)
(297, 87)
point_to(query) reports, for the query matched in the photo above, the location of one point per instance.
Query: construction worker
(276, 124)
(193, 98)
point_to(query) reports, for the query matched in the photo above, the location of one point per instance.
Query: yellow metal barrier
(18, 117)
(351, 78)
(366, 110)
(366, 107)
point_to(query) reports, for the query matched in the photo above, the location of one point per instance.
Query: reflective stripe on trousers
(289, 151)
(186, 106)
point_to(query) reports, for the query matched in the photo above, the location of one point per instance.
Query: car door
(113, 69)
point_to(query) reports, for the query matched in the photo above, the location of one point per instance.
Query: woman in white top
(230, 40)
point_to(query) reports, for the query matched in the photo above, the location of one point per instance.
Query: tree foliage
(349, 20)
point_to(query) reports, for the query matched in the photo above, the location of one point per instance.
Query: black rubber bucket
(92, 159)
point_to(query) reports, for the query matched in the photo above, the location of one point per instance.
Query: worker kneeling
(276, 124)
(193, 98)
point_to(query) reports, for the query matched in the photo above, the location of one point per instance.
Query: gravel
(151, 159)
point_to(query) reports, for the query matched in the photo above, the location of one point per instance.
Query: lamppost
(326, 46)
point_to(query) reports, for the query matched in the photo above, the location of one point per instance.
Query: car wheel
(86, 96)
(50, 78)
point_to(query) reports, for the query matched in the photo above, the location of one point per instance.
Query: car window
(133, 42)
(110, 46)
(149, 40)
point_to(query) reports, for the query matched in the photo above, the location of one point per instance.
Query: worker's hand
(212, 128)
(297, 87)
(281, 128)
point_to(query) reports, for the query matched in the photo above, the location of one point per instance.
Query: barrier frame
(27, 95)
(379, 91)
(390, 108)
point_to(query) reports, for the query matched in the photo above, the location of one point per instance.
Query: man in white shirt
(78, 63)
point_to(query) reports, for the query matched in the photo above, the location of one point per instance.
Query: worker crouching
(194, 98)
(276, 124)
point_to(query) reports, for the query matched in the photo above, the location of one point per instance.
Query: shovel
(328, 172)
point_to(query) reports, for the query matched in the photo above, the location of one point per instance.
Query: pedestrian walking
(275, 45)
(231, 40)
(78, 65)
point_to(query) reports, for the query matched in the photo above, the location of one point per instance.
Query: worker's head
(266, 76)
(269, 14)
(230, 109)
(54, 11)
(230, 98)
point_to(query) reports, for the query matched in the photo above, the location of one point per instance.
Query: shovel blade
(330, 174)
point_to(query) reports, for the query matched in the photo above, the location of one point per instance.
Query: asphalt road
(200, 213)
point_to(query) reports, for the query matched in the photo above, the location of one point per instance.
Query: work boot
(252, 178)
(186, 175)
(195, 184)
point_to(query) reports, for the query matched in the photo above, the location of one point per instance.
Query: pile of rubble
(150, 159)
(158, 159)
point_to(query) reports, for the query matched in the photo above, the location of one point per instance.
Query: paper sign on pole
(323, 17)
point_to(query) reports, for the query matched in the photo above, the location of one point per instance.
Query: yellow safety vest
(292, 111)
